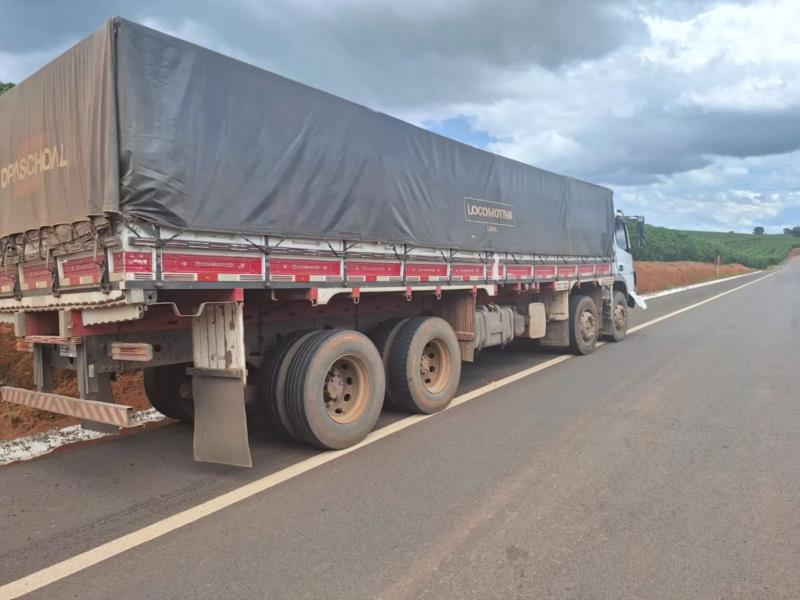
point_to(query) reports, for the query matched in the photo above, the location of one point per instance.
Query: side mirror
(640, 227)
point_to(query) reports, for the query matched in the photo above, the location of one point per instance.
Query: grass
(754, 251)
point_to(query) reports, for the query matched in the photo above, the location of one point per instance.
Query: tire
(383, 337)
(583, 325)
(272, 385)
(424, 365)
(335, 388)
(169, 390)
(620, 317)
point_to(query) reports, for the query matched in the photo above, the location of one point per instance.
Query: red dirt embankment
(658, 276)
(16, 369)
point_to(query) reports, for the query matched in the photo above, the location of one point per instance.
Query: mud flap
(220, 423)
(218, 385)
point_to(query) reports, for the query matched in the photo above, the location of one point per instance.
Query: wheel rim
(588, 326)
(620, 316)
(435, 366)
(346, 389)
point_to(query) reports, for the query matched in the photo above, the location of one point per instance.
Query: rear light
(132, 351)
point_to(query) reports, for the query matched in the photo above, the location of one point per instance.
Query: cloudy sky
(688, 109)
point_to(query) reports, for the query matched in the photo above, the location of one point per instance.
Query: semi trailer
(259, 247)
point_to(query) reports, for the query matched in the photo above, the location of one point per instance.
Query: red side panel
(426, 271)
(201, 267)
(467, 272)
(80, 271)
(604, 269)
(36, 276)
(133, 262)
(568, 270)
(545, 272)
(520, 271)
(7, 280)
(299, 269)
(373, 270)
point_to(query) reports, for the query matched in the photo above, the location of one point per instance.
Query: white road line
(96, 555)
(694, 286)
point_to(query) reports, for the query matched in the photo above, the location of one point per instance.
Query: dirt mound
(658, 276)
(16, 369)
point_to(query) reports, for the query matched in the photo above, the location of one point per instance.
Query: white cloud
(752, 35)
(549, 144)
(693, 126)
(772, 92)
(730, 194)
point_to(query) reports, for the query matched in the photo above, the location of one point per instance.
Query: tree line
(4, 87)
(793, 231)
(756, 251)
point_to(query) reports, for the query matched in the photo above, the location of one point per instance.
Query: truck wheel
(383, 337)
(169, 390)
(584, 329)
(272, 384)
(335, 388)
(424, 365)
(620, 317)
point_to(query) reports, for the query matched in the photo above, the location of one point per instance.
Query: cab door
(624, 258)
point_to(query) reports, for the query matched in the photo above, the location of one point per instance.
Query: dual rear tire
(423, 365)
(334, 389)
(327, 388)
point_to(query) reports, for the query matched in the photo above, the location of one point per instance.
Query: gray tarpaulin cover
(136, 122)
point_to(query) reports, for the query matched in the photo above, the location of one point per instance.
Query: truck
(261, 248)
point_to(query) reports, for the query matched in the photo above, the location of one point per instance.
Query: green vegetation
(755, 251)
(4, 87)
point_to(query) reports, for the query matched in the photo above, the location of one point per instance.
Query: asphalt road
(667, 466)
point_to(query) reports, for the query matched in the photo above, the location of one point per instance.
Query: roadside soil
(16, 368)
(658, 276)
